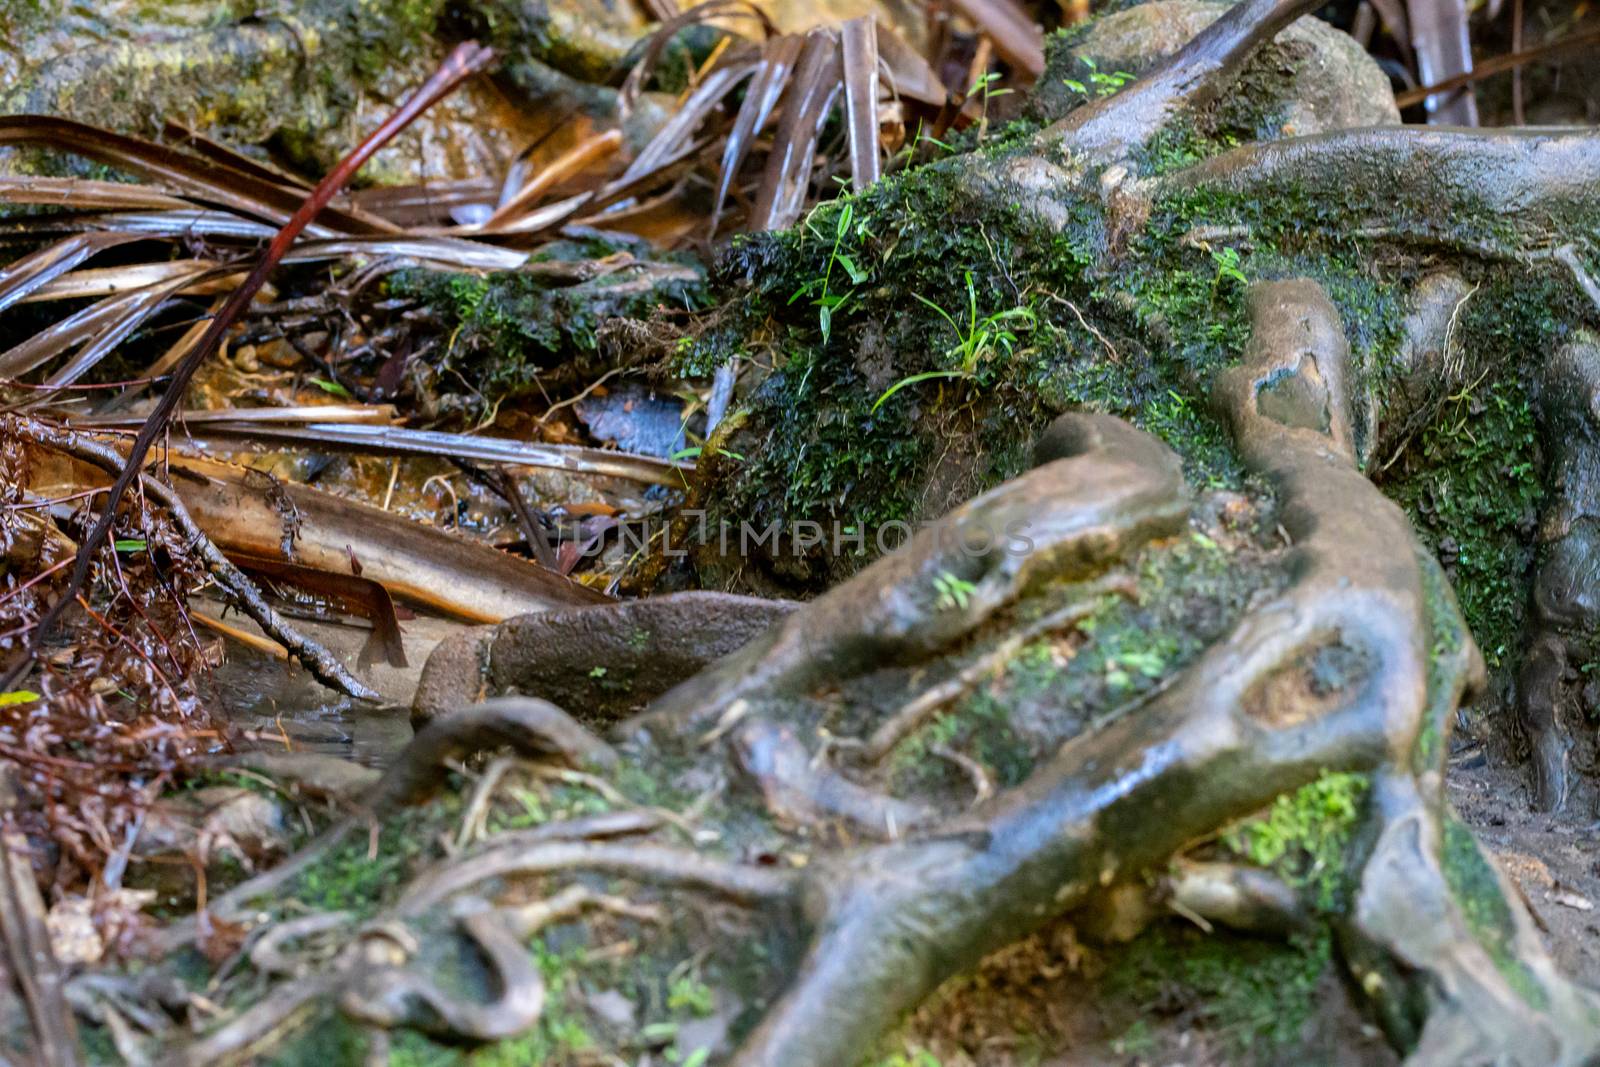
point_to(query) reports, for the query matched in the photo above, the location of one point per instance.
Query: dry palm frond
(194, 177)
(858, 43)
(777, 63)
(1015, 37)
(787, 178)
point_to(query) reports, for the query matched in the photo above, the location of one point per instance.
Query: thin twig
(319, 661)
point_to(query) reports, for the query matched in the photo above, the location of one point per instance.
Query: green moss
(1188, 592)
(835, 309)
(1473, 491)
(387, 33)
(330, 1039)
(1447, 633)
(1139, 341)
(19, 16)
(913, 1057)
(1476, 889)
(352, 878)
(508, 330)
(1305, 835)
(1254, 994)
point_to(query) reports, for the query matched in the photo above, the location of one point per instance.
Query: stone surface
(1334, 84)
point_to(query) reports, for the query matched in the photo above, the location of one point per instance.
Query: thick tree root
(1357, 665)
(1502, 193)
(532, 727)
(1335, 673)
(644, 647)
(1566, 593)
(1114, 490)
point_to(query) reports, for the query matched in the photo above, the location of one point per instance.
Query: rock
(635, 418)
(1332, 82)
(613, 1009)
(906, 18)
(314, 76)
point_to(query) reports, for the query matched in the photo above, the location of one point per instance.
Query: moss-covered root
(1439, 942)
(1330, 674)
(1116, 127)
(1566, 594)
(1499, 194)
(1103, 490)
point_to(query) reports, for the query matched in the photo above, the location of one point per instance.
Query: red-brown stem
(467, 59)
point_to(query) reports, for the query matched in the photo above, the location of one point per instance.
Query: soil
(1552, 857)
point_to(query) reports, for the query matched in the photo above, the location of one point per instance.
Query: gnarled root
(1113, 490)
(645, 647)
(532, 727)
(1566, 593)
(1334, 673)
(1465, 189)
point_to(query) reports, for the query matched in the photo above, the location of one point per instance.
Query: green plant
(823, 298)
(687, 993)
(981, 337)
(914, 1057)
(1147, 662)
(984, 89)
(1227, 260)
(1303, 836)
(1100, 83)
(953, 592)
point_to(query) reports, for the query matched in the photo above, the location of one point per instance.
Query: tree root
(532, 727)
(1238, 897)
(1113, 490)
(650, 645)
(1357, 665)
(905, 721)
(1334, 673)
(388, 996)
(1503, 193)
(1566, 592)
(796, 790)
(513, 854)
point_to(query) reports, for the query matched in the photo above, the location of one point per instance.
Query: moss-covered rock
(516, 332)
(1312, 78)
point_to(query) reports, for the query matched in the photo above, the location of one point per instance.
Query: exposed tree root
(389, 995)
(1566, 592)
(1114, 489)
(532, 727)
(898, 726)
(1504, 193)
(645, 647)
(654, 864)
(1234, 896)
(1357, 664)
(1334, 674)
